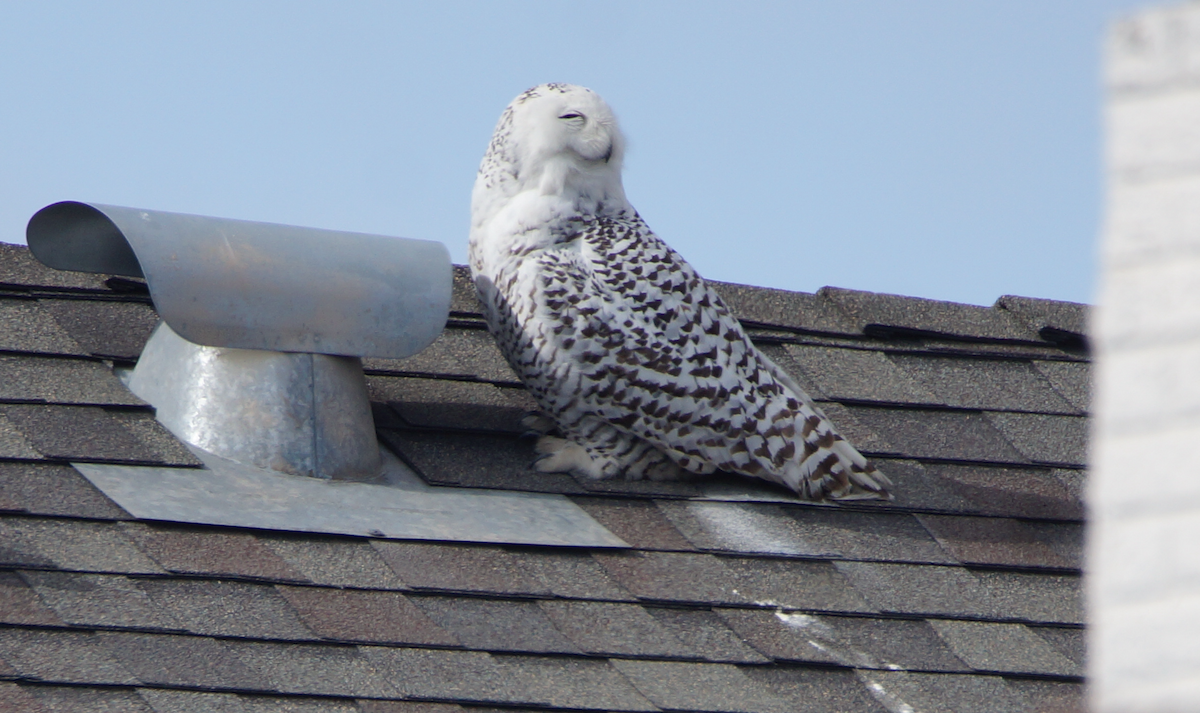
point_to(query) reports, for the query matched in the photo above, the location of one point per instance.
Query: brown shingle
(638, 522)
(457, 568)
(365, 616)
(214, 552)
(19, 604)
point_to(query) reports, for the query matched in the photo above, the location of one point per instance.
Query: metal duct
(258, 359)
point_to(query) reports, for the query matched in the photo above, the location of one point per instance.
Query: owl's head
(560, 139)
(563, 120)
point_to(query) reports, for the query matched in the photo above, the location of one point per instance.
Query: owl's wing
(653, 350)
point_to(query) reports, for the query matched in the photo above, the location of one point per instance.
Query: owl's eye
(571, 115)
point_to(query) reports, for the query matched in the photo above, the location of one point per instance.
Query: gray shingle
(798, 584)
(1000, 385)
(1055, 440)
(1050, 696)
(465, 676)
(365, 616)
(71, 699)
(612, 629)
(780, 636)
(191, 661)
(213, 552)
(74, 545)
(1050, 318)
(168, 701)
(951, 435)
(61, 657)
(457, 568)
(880, 314)
(99, 600)
(572, 683)
(672, 576)
(704, 634)
(1005, 541)
(62, 381)
(20, 604)
(1014, 492)
(1051, 598)
(1003, 648)
(570, 573)
(19, 267)
(480, 461)
(946, 693)
(340, 563)
(1071, 379)
(13, 443)
(26, 327)
(457, 352)
(215, 608)
(496, 625)
(816, 690)
(463, 298)
(45, 489)
(738, 527)
(860, 642)
(781, 308)
(920, 589)
(1071, 643)
(14, 698)
(315, 670)
(105, 328)
(859, 375)
(88, 433)
(700, 686)
(456, 405)
(639, 522)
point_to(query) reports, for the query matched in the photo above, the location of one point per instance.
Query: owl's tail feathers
(837, 471)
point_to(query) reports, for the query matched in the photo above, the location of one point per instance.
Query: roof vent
(264, 325)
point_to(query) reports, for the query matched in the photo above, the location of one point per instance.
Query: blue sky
(947, 149)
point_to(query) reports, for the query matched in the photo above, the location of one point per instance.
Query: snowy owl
(639, 368)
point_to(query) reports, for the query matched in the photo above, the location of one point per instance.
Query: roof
(962, 594)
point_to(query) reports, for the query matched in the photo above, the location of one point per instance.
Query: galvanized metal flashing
(230, 494)
(238, 283)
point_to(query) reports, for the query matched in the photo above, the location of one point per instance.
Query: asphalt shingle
(211, 552)
(780, 308)
(20, 604)
(457, 568)
(493, 625)
(888, 315)
(45, 489)
(990, 384)
(613, 629)
(216, 608)
(100, 600)
(335, 562)
(89, 433)
(107, 328)
(61, 657)
(72, 545)
(943, 435)
(62, 381)
(186, 661)
(1003, 648)
(314, 669)
(1004, 541)
(365, 616)
(672, 576)
(26, 327)
(859, 375)
(1055, 440)
(733, 597)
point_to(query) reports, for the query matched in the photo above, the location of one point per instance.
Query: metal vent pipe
(258, 359)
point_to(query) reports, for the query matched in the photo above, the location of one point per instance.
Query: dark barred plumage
(636, 362)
